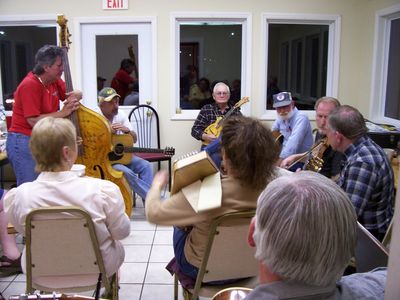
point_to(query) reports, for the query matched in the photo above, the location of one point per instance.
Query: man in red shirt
(37, 96)
(123, 81)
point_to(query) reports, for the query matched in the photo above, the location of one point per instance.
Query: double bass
(95, 132)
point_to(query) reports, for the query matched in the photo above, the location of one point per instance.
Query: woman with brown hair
(249, 153)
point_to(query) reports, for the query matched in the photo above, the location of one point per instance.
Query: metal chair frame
(145, 118)
(232, 219)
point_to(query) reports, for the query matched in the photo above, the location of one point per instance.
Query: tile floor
(143, 276)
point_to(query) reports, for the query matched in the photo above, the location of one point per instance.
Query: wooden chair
(145, 122)
(227, 256)
(63, 254)
(369, 252)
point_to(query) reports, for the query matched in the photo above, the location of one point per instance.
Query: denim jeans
(139, 174)
(179, 239)
(214, 150)
(20, 157)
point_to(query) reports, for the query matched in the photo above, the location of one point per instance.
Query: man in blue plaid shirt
(367, 176)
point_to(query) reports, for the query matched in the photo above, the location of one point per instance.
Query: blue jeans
(139, 174)
(179, 239)
(20, 157)
(214, 150)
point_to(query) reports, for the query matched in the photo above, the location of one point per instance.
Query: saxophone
(313, 158)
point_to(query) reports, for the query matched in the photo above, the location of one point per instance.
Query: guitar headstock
(170, 151)
(64, 32)
(241, 102)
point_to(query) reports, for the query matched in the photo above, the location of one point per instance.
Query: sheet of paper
(210, 192)
(206, 194)
(192, 192)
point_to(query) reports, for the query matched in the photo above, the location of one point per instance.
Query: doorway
(104, 44)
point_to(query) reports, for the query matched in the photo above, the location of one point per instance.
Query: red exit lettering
(115, 3)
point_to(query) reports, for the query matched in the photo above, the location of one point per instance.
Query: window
(208, 50)
(18, 46)
(385, 101)
(301, 58)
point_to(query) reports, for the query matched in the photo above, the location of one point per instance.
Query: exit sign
(115, 4)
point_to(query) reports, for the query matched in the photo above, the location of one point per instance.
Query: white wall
(357, 36)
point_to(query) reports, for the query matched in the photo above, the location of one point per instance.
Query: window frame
(27, 20)
(176, 18)
(383, 19)
(334, 23)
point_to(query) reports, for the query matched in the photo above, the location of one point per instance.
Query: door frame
(79, 23)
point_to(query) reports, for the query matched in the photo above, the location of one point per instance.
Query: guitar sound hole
(119, 149)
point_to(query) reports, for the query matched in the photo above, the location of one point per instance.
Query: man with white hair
(305, 233)
(210, 112)
(292, 125)
(208, 115)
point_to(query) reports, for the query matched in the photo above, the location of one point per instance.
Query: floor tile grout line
(147, 265)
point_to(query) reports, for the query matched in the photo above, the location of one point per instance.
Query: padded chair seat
(152, 156)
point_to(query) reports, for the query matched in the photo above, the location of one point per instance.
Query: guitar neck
(226, 116)
(142, 150)
(237, 105)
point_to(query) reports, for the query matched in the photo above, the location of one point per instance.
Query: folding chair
(63, 254)
(388, 236)
(369, 252)
(227, 256)
(145, 122)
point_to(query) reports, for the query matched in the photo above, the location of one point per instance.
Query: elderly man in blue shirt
(293, 126)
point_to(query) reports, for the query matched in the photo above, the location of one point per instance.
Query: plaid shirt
(367, 178)
(208, 115)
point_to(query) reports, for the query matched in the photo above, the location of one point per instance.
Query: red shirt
(120, 83)
(32, 99)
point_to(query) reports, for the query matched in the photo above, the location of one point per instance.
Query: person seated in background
(199, 93)
(186, 81)
(305, 233)
(293, 126)
(54, 147)
(10, 260)
(249, 167)
(235, 92)
(133, 97)
(367, 176)
(122, 81)
(100, 83)
(332, 160)
(208, 115)
(138, 172)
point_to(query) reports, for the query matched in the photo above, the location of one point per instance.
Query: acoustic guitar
(216, 127)
(123, 149)
(278, 137)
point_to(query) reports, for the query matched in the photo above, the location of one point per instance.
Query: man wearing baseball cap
(138, 172)
(292, 125)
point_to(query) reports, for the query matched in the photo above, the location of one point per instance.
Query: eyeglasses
(222, 93)
(79, 141)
